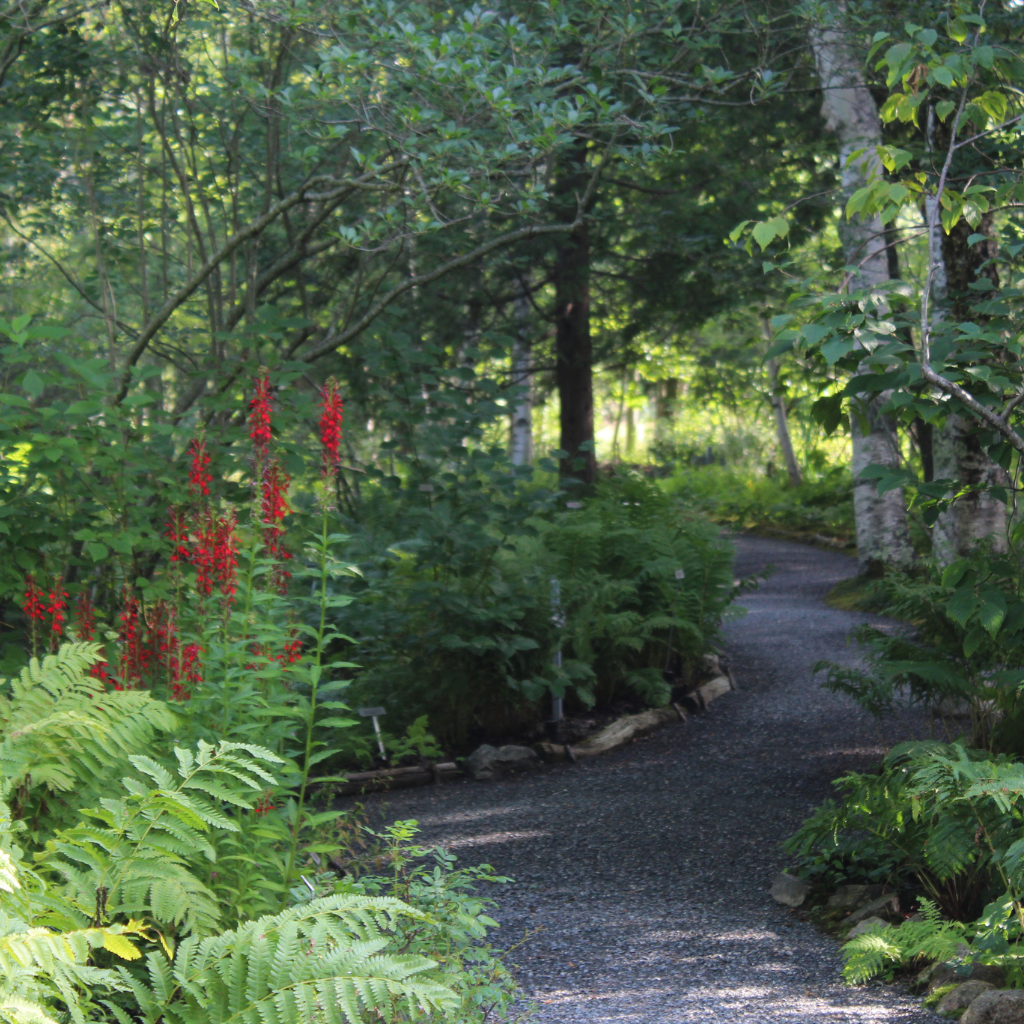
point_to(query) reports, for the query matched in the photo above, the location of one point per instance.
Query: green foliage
(455, 922)
(634, 567)
(332, 959)
(118, 891)
(879, 950)
(461, 625)
(818, 509)
(963, 653)
(133, 855)
(64, 731)
(948, 819)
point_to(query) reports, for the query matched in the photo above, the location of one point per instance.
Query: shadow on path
(646, 871)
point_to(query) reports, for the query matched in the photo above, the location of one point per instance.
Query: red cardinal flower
(330, 427)
(84, 626)
(259, 415)
(215, 555)
(176, 530)
(130, 642)
(191, 672)
(225, 555)
(199, 476)
(57, 609)
(34, 604)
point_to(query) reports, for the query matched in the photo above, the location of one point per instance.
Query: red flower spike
(84, 626)
(34, 604)
(130, 669)
(225, 556)
(57, 609)
(201, 555)
(259, 415)
(273, 509)
(330, 427)
(191, 672)
(199, 476)
(176, 530)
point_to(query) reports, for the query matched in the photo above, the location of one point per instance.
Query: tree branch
(249, 231)
(381, 304)
(983, 412)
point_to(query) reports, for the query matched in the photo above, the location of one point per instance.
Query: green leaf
(734, 235)
(992, 611)
(961, 605)
(834, 349)
(33, 383)
(973, 640)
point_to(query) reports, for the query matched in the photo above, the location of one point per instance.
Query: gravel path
(646, 871)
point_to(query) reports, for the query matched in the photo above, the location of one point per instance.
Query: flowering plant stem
(315, 671)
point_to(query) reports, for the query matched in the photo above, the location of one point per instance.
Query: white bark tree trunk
(522, 409)
(850, 111)
(973, 517)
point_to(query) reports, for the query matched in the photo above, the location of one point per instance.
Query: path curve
(647, 870)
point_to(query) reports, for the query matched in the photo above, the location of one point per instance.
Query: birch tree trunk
(782, 425)
(522, 410)
(850, 111)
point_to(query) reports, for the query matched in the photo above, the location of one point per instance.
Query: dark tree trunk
(979, 515)
(573, 349)
(921, 432)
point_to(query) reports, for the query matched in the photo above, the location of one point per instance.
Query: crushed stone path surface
(644, 874)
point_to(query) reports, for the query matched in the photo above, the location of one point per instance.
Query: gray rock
(865, 926)
(854, 895)
(937, 975)
(963, 995)
(712, 664)
(789, 890)
(511, 756)
(486, 761)
(887, 906)
(718, 687)
(996, 1007)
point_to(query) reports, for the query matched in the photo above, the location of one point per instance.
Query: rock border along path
(646, 871)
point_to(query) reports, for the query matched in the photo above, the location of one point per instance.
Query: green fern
(61, 729)
(131, 856)
(40, 965)
(323, 962)
(929, 937)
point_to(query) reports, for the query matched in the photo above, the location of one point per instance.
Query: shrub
(469, 638)
(947, 819)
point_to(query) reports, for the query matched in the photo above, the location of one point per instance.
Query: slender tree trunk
(573, 348)
(958, 453)
(782, 425)
(522, 409)
(850, 111)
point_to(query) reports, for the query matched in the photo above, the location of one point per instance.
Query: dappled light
(510, 512)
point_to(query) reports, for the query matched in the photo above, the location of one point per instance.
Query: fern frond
(137, 850)
(323, 961)
(62, 730)
(929, 936)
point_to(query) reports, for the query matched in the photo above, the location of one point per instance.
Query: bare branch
(983, 412)
(249, 231)
(332, 342)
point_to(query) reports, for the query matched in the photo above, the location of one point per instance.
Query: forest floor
(642, 876)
